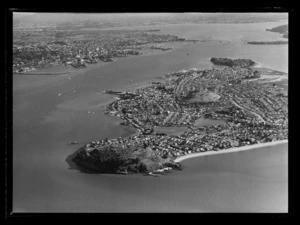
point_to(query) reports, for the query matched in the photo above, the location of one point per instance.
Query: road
(241, 107)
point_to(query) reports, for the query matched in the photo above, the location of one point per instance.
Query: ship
(123, 172)
(108, 91)
(78, 65)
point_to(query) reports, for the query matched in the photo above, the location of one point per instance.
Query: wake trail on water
(66, 92)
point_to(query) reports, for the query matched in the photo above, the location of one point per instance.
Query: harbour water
(50, 111)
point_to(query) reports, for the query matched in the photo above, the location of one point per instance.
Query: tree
(111, 158)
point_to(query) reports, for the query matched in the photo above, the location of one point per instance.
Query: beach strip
(229, 150)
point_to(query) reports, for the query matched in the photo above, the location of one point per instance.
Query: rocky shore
(122, 160)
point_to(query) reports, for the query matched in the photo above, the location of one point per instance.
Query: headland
(283, 29)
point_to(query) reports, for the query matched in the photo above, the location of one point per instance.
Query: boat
(78, 65)
(124, 172)
(108, 91)
(151, 174)
(158, 171)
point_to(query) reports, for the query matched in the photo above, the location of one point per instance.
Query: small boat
(72, 142)
(152, 174)
(124, 172)
(158, 171)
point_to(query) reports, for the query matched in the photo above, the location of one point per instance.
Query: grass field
(207, 122)
(173, 130)
(206, 96)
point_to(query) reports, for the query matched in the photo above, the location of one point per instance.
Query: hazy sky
(29, 19)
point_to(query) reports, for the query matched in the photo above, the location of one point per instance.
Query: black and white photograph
(149, 112)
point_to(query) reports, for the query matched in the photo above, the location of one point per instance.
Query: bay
(44, 121)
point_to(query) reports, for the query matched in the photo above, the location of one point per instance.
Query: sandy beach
(238, 149)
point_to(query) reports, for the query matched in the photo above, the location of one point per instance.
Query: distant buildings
(38, 51)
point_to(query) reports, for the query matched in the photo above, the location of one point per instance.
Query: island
(232, 62)
(190, 111)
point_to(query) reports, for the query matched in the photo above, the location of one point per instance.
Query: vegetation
(107, 159)
(110, 159)
(232, 62)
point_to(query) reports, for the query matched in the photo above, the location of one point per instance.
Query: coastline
(42, 73)
(96, 145)
(143, 131)
(70, 70)
(196, 188)
(229, 150)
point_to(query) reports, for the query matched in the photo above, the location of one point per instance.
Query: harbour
(44, 122)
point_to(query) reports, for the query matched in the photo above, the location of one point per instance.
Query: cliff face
(232, 62)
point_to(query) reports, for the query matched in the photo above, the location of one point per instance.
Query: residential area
(245, 112)
(33, 50)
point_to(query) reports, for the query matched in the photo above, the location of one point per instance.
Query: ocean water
(229, 40)
(49, 111)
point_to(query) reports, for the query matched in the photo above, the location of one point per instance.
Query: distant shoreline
(267, 42)
(41, 73)
(229, 150)
(66, 69)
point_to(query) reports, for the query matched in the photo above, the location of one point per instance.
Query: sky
(28, 19)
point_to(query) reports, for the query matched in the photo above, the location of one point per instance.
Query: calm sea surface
(49, 111)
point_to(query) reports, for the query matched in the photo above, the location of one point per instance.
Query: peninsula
(280, 29)
(35, 49)
(283, 29)
(191, 111)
